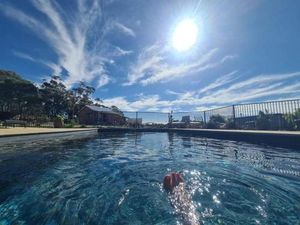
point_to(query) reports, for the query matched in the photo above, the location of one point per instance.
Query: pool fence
(272, 115)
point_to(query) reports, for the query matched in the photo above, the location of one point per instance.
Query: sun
(185, 35)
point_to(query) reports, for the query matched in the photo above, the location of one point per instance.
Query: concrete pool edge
(289, 139)
(45, 132)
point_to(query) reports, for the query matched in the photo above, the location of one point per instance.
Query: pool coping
(48, 132)
(289, 139)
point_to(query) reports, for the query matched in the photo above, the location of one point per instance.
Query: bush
(58, 122)
(69, 125)
(215, 122)
(289, 122)
(263, 121)
(292, 121)
(229, 124)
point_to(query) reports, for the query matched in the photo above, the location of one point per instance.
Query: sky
(245, 51)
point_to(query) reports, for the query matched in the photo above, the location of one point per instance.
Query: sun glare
(185, 35)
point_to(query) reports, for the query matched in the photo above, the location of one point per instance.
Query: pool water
(116, 178)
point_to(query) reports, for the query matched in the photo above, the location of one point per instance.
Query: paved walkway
(20, 131)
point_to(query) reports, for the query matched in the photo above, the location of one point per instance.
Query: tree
(216, 121)
(54, 97)
(17, 96)
(78, 97)
(263, 121)
(117, 110)
(97, 102)
(292, 120)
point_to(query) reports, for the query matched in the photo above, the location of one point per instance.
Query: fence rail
(273, 115)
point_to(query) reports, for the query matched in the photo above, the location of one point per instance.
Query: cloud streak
(55, 68)
(75, 37)
(124, 29)
(153, 65)
(225, 90)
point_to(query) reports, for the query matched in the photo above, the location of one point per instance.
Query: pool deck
(22, 131)
(275, 138)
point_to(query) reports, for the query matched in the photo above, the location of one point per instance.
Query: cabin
(99, 115)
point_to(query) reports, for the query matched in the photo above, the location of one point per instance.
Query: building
(134, 121)
(96, 115)
(186, 119)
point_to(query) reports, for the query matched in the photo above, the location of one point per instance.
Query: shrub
(292, 120)
(229, 124)
(69, 125)
(58, 122)
(263, 121)
(215, 122)
(289, 122)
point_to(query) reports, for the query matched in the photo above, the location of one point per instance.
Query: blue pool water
(115, 178)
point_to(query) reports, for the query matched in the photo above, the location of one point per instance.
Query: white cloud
(55, 68)
(104, 79)
(216, 94)
(225, 79)
(228, 57)
(270, 85)
(142, 103)
(120, 102)
(124, 29)
(23, 56)
(170, 92)
(153, 65)
(149, 59)
(121, 52)
(75, 37)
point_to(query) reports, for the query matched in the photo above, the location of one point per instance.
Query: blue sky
(246, 51)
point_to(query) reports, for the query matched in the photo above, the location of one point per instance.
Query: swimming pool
(116, 178)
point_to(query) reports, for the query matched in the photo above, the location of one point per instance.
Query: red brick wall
(90, 117)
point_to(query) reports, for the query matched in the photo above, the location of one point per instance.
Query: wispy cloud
(225, 90)
(154, 65)
(104, 79)
(142, 103)
(271, 86)
(121, 52)
(126, 30)
(56, 69)
(221, 81)
(75, 37)
(23, 56)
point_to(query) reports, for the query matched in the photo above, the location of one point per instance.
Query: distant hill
(9, 76)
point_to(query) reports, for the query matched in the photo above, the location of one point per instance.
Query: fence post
(204, 115)
(234, 120)
(136, 119)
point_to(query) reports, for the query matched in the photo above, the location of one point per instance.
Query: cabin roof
(102, 109)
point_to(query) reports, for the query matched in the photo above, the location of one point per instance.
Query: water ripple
(116, 179)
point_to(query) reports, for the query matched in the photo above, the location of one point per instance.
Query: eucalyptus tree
(17, 96)
(54, 97)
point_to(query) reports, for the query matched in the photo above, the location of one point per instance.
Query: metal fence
(274, 115)
(24, 123)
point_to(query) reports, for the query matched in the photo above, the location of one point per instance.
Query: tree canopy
(17, 96)
(21, 97)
